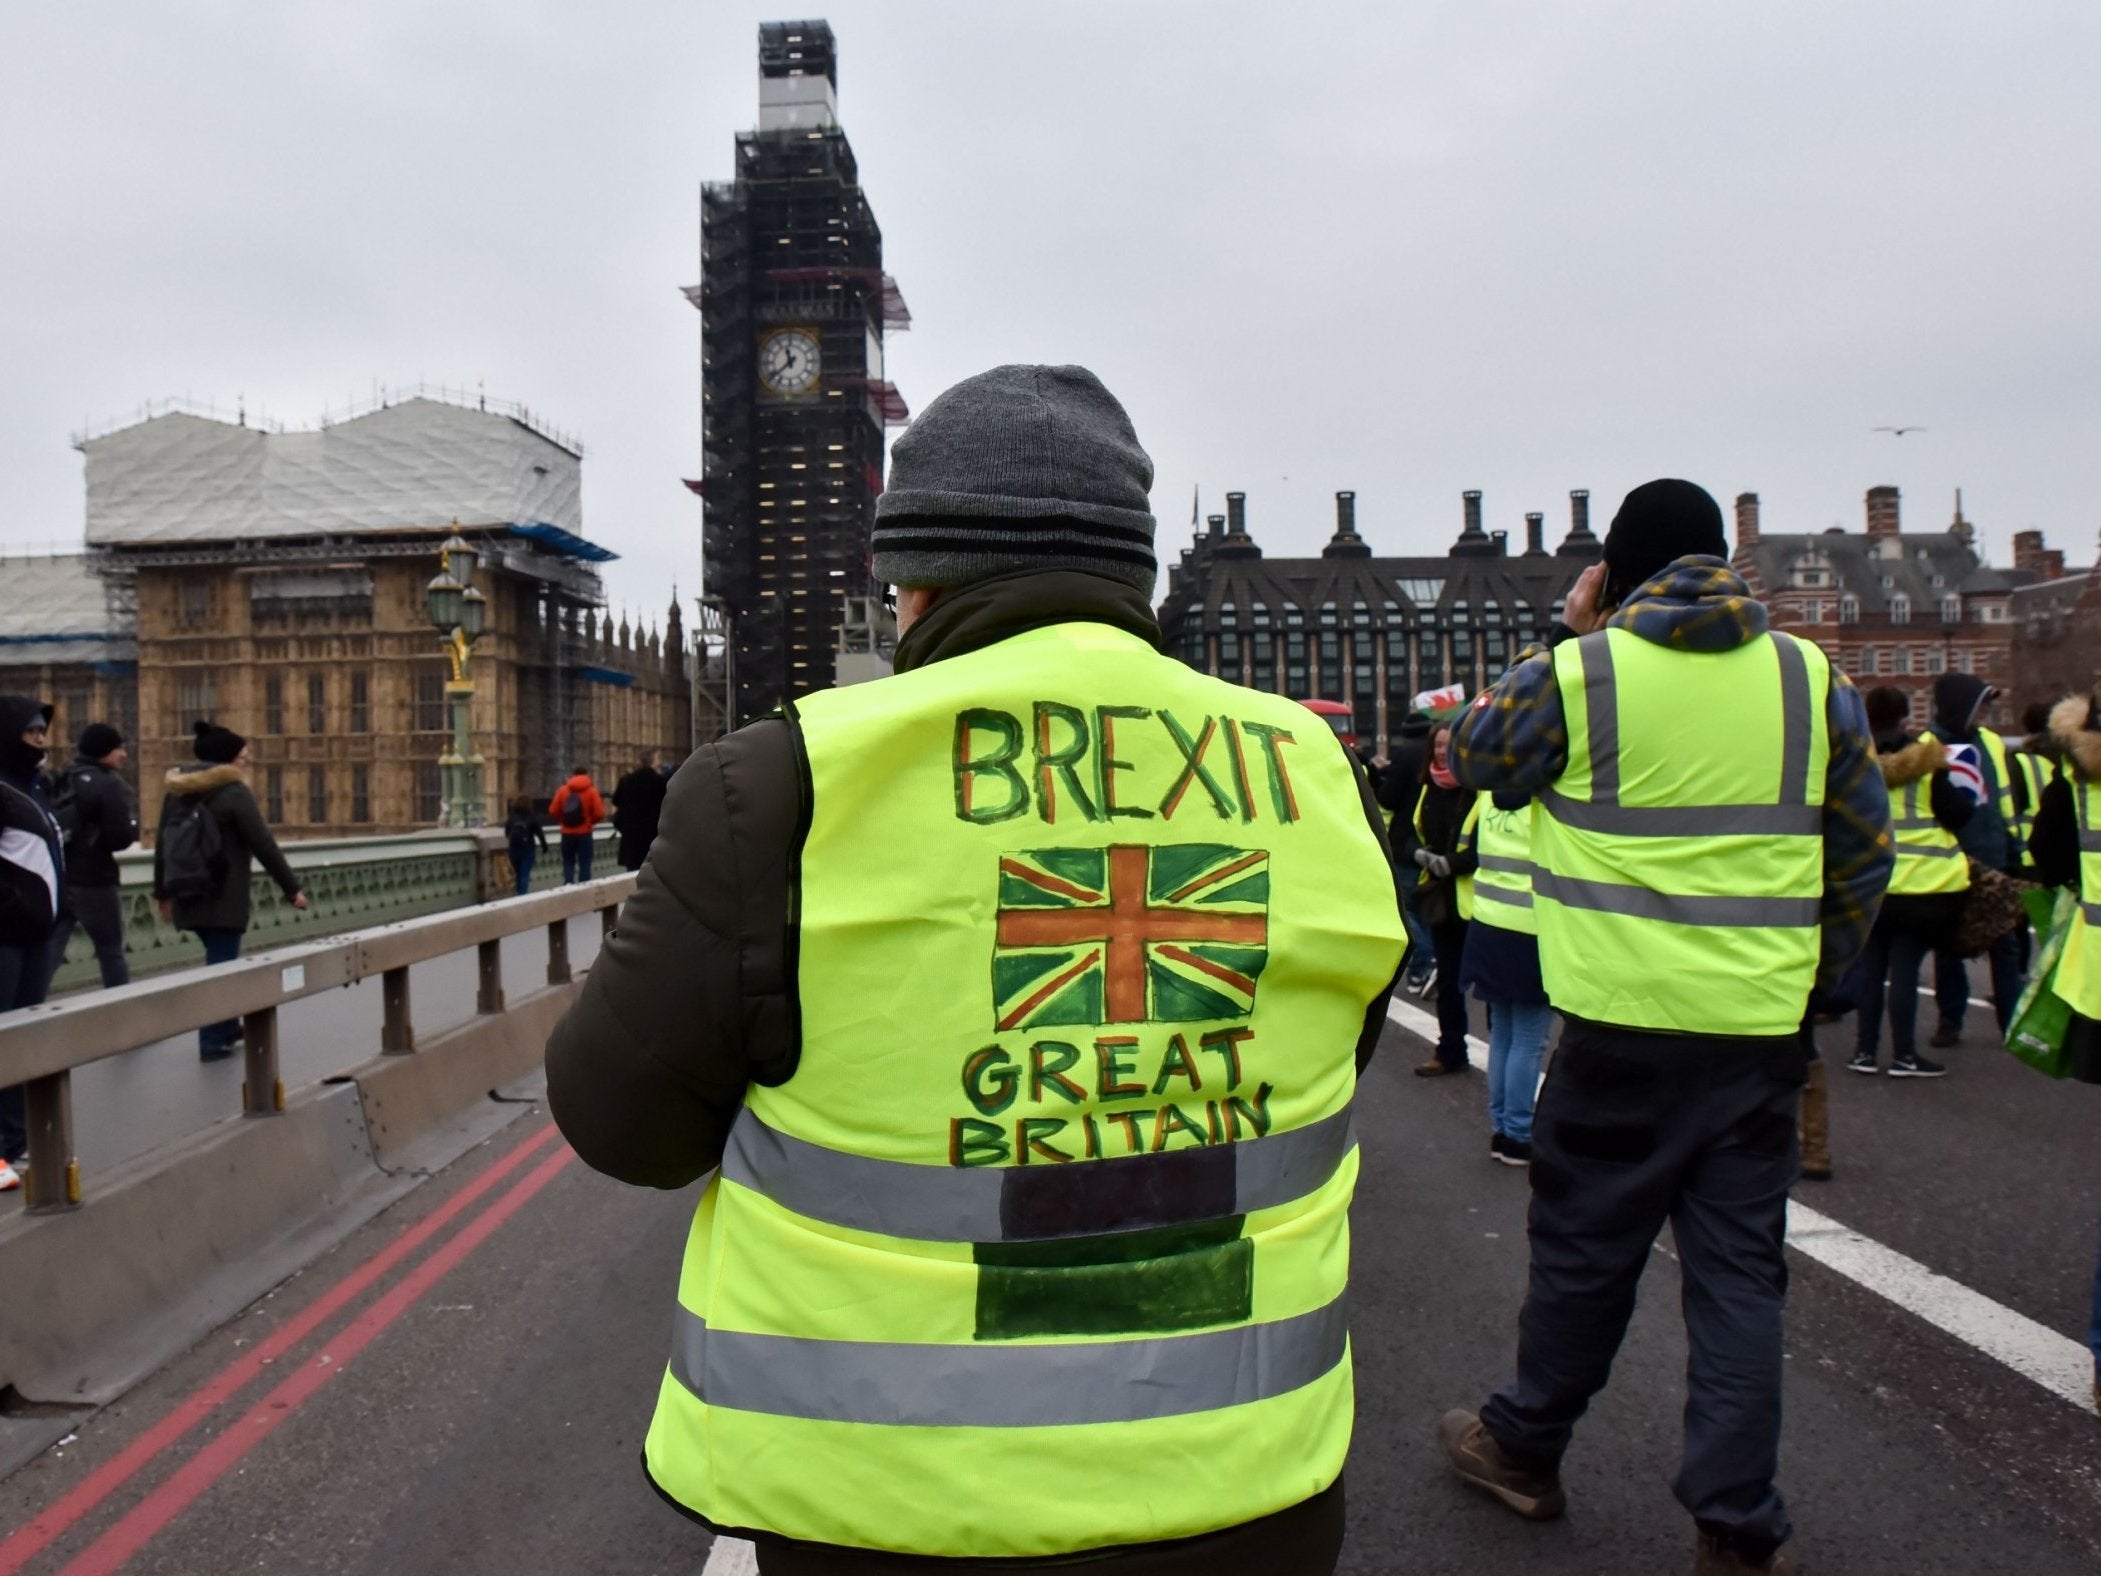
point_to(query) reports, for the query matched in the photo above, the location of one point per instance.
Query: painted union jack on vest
(1129, 934)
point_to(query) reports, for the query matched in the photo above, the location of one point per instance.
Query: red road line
(146, 1520)
(41, 1530)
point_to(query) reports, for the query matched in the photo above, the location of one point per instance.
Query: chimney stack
(1346, 543)
(2030, 554)
(1883, 516)
(1746, 520)
(1217, 524)
(1535, 536)
(1580, 543)
(1502, 541)
(1473, 512)
(1345, 514)
(1236, 514)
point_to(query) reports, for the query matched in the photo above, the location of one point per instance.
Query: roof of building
(417, 465)
(56, 610)
(2047, 597)
(1863, 567)
(1522, 588)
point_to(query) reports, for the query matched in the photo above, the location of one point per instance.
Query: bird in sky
(1899, 431)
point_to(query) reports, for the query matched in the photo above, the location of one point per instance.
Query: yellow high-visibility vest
(1680, 868)
(1043, 1246)
(1929, 859)
(1465, 882)
(1503, 886)
(2079, 967)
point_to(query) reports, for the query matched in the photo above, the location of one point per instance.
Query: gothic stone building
(1367, 631)
(275, 583)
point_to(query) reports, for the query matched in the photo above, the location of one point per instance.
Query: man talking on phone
(1711, 847)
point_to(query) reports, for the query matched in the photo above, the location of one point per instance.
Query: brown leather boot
(1816, 1126)
(1711, 1557)
(1476, 1457)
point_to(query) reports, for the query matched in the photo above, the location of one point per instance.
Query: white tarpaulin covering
(54, 610)
(418, 465)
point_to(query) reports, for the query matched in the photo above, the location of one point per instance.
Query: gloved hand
(1439, 866)
(1423, 856)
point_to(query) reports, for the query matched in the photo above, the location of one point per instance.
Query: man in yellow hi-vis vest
(1711, 843)
(1020, 998)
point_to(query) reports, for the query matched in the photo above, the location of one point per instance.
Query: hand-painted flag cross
(1129, 934)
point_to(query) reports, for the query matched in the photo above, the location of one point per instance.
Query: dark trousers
(522, 860)
(220, 946)
(1450, 942)
(100, 912)
(1892, 958)
(576, 857)
(1305, 1540)
(1634, 1130)
(25, 973)
(1951, 981)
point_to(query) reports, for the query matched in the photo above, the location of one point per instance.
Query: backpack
(68, 812)
(193, 849)
(573, 811)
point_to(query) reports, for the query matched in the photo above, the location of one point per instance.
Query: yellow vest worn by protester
(1929, 859)
(1043, 1247)
(2079, 969)
(1680, 856)
(2034, 773)
(1503, 886)
(1464, 883)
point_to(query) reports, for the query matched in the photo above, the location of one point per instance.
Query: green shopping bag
(2042, 1017)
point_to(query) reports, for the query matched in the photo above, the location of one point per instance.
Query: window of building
(1813, 611)
(196, 608)
(1228, 615)
(1492, 649)
(1294, 616)
(273, 794)
(1229, 650)
(1994, 612)
(1951, 610)
(1359, 613)
(360, 702)
(195, 700)
(1849, 610)
(1936, 659)
(274, 703)
(1261, 615)
(430, 701)
(316, 795)
(361, 795)
(1327, 615)
(1328, 648)
(1423, 593)
(1295, 679)
(1900, 660)
(1900, 609)
(1812, 571)
(1294, 648)
(430, 792)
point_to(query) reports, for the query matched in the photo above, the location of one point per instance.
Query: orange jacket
(594, 807)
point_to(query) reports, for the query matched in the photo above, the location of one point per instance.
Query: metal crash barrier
(40, 1046)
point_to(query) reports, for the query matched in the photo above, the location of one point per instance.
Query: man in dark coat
(219, 917)
(637, 803)
(32, 867)
(99, 823)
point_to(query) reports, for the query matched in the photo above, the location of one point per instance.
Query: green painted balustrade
(352, 883)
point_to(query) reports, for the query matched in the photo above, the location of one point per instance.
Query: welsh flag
(1129, 934)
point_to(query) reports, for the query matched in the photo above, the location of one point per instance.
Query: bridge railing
(351, 883)
(41, 1046)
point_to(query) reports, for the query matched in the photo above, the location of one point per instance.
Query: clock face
(788, 361)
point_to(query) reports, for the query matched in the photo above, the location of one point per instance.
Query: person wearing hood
(214, 905)
(2065, 846)
(638, 804)
(1711, 844)
(97, 812)
(576, 808)
(32, 877)
(1960, 701)
(1928, 813)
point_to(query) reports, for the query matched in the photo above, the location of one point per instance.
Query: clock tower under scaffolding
(794, 306)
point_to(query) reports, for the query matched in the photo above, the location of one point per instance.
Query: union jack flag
(1129, 934)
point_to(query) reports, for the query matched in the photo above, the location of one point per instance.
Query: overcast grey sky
(1407, 248)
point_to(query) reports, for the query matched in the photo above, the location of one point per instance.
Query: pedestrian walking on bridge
(98, 822)
(638, 804)
(32, 882)
(576, 809)
(1711, 844)
(1020, 998)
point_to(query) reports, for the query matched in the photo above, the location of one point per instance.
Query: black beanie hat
(1018, 468)
(1887, 707)
(218, 745)
(1659, 523)
(97, 739)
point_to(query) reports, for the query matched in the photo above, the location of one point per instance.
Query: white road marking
(2058, 1363)
(731, 1557)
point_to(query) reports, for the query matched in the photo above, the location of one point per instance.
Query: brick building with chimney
(1896, 607)
(2056, 629)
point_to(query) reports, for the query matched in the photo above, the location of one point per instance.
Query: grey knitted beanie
(1017, 468)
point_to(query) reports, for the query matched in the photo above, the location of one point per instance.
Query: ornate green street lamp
(459, 612)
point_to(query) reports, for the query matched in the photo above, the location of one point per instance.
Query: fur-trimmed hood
(1911, 760)
(2073, 733)
(188, 780)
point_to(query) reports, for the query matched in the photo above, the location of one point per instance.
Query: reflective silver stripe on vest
(1636, 902)
(1794, 720)
(1601, 713)
(2091, 913)
(1505, 865)
(1005, 1385)
(1685, 820)
(1928, 850)
(1083, 1198)
(1484, 893)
